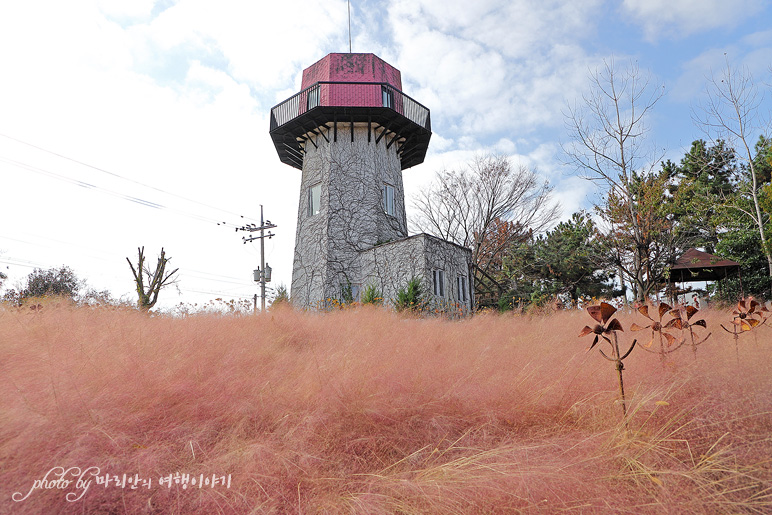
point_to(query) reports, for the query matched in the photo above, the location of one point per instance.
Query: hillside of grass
(364, 411)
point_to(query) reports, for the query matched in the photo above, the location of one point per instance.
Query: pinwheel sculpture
(606, 329)
(682, 319)
(658, 329)
(748, 315)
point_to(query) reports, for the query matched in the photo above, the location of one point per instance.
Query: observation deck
(329, 109)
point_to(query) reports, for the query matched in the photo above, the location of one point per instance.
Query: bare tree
(150, 282)
(485, 206)
(642, 240)
(609, 145)
(608, 129)
(732, 113)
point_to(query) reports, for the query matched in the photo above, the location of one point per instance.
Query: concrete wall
(351, 219)
(390, 266)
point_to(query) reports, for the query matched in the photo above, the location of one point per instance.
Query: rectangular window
(438, 282)
(388, 199)
(387, 95)
(313, 97)
(462, 288)
(314, 199)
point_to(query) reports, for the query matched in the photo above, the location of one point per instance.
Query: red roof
(351, 68)
(695, 265)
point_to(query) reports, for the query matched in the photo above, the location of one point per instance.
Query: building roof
(420, 235)
(342, 90)
(696, 265)
(351, 68)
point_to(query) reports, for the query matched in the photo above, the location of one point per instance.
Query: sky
(142, 123)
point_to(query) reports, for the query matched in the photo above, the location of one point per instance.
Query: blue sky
(144, 123)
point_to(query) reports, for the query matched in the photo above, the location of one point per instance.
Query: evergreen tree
(701, 184)
(566, 261)
(712, 204)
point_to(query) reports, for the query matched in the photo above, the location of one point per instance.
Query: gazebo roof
(695, 265)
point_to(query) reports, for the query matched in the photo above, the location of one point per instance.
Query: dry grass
(366, 412)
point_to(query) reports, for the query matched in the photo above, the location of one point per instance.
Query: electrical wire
(89, 186)
(111, 258)
(108, 257)
(113, 174)
(196, 274)
(21, 262)
(224, 294)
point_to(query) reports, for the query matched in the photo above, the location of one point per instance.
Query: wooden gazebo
(696, 266)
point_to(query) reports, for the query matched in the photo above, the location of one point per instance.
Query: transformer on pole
(263, 273)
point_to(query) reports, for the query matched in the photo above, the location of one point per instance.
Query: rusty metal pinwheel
(749, 314)
(657, 328)
(601, 314)
(682, 316)
(605, 327)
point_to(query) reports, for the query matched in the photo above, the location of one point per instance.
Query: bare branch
(608, 130)
(486, 206)
(731, 112)
(148, 289)
(610, 146)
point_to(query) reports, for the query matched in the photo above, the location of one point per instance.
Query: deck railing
(349, 94)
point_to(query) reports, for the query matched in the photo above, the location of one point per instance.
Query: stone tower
(351, 130)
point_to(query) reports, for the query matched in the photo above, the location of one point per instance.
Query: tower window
(387, 95)
(314, 199)
(388, 199)
(438, 282)
(461, 281)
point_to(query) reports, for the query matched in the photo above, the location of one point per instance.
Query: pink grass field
(364, 411)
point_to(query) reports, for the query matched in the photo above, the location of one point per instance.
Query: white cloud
(121, 10)
(758, 39)
(492, 69)
(264, 42)
(92, 89)
(512, 28)
(677, 19)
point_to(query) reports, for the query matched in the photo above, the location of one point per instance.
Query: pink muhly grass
(365, 411)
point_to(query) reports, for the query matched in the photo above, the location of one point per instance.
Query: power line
(33, 264)
(224, 294)
(21, 262)
(190, 273)
(113, 174)
(93, 187)
(235, 280)
(58, 243)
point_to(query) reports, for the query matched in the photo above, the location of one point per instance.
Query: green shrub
(411, 298)
(282, 297)
(346, 294)
(372, 295)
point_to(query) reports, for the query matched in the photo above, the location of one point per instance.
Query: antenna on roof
(349, 26)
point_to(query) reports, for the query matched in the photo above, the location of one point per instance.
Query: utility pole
(262, 274)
